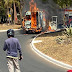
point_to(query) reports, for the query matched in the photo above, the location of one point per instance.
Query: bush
(68, 32)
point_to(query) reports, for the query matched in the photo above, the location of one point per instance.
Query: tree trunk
(20, 11)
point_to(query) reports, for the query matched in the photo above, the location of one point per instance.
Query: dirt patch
(5, 26)
(50, 47)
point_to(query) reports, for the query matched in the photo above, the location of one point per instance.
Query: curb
(6, 30)
(56, 62)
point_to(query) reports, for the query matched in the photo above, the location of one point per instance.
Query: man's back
(12, 45)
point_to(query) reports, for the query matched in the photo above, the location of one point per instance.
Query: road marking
(37, 41)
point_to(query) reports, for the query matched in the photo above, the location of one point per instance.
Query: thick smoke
(49, 7)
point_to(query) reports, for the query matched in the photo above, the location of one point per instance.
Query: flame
(33, 9)
(49, 29)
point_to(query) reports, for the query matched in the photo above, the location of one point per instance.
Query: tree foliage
(63, 3)
(2, 8)
(6, 4)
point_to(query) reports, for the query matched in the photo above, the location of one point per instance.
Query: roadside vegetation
(6, 27)
(6, 5)
(56, 45)
(63, 3)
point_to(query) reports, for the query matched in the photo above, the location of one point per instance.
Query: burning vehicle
(34, 19)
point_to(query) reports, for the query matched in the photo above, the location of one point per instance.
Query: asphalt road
(31, 61)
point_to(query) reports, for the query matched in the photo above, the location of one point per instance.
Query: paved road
(31, 62)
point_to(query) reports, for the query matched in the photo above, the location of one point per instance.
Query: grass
(5, 26)
(49, 46)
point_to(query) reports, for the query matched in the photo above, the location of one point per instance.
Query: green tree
(63, 3)
(19, 4)
(2, 12)
(7, 6)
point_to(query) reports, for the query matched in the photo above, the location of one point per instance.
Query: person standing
(12, 46)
